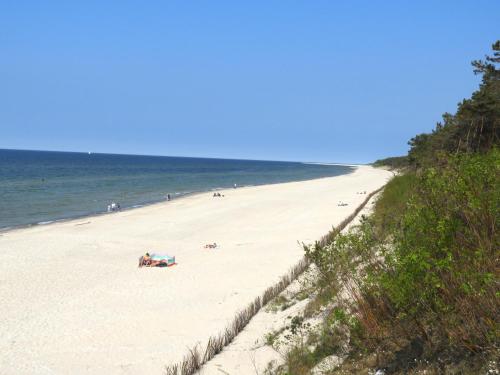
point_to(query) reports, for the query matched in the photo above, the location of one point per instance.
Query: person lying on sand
(148, 261)
(210, 246)
(145, 261)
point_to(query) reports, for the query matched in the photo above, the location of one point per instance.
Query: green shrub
(444, 268)
(392, 204)
(396, 162)
(425, 265)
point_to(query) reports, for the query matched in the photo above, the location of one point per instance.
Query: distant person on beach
(113, 207)
(147, 261)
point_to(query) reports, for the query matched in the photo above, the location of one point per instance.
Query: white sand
(249, 353)
(72, 299)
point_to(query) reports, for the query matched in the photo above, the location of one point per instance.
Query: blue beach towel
(166, 258)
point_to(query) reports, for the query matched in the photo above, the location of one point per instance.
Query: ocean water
(39, 187)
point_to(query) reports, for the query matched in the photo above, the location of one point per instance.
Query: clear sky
(333, 81)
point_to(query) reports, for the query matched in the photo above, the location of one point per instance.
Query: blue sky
(337, 81)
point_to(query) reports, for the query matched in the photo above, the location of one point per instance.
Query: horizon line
(187, 157)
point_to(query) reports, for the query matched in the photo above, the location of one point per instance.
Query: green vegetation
(395, 162)
(271, 337)
(280, 303)
(394, 200)
(439, 279)
(415, 285)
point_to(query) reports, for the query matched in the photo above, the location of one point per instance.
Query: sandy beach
(250, 352)
(74, 301)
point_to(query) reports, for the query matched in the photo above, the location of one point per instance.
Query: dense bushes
(442, 270)
(424, 267)
(394, 162)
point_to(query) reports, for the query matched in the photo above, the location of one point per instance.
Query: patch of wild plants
(422, 284)
(280, 303)
(442, 277)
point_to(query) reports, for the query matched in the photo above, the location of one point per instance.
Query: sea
(41, 187)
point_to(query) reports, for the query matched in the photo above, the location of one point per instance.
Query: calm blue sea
(38, 187)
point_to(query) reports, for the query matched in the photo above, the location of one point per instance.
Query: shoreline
(175, 196)
(91, 215)
(84, 304)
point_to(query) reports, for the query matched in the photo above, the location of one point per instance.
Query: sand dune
(74, 301)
